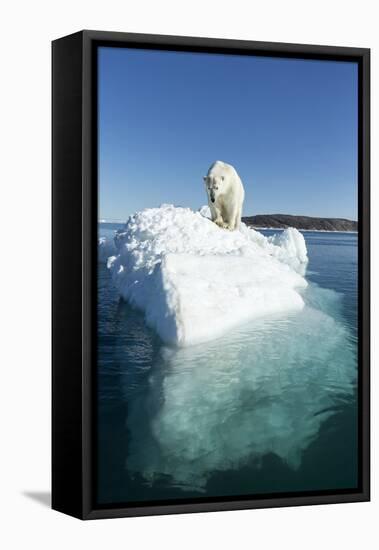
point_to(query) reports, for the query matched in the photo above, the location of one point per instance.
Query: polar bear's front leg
(233, 219)
(216, 216)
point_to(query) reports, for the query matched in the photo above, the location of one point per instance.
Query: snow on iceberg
(290, 248)
(195, 281)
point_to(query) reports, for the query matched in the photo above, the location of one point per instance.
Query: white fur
(225, 187)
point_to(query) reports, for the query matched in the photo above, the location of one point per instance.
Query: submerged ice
(194, 281)
(267, 390)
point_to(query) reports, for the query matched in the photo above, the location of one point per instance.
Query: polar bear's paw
(227, 226)
(219, 222)
(222, 224)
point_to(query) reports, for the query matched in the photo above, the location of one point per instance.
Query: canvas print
(227, 276)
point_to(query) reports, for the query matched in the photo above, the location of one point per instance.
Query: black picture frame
(74, 205)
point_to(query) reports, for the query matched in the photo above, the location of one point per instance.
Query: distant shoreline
(301, 229)
(302, 223)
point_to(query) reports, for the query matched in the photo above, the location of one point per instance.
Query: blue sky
(288, 126)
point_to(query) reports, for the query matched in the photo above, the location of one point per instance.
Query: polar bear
(225, 195)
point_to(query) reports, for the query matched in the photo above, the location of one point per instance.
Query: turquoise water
(270, 408)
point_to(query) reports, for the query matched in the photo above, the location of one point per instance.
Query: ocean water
(269, 408)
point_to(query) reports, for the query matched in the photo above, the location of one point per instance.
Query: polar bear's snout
(213, 185)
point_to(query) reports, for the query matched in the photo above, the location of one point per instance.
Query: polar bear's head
(214, 186)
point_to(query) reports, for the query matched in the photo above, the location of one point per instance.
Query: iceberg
(195, 281)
